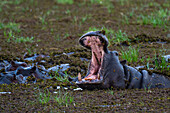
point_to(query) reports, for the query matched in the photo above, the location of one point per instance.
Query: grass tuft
(63, 99)
(160, 63)
(10, 26)
(158, 18)
(44, 97)
(131, 55)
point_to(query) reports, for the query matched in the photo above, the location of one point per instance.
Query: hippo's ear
(123, 62)
(103, 32)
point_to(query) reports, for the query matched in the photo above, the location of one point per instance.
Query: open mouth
(96, 44)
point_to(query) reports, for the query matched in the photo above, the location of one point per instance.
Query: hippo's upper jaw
(99, 71)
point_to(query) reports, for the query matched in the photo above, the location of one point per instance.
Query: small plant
(120, 36)
(44, 97)
(29, 51)
(111, 92)
(131, 55)
(42, 19)
(65, 1)
(63, 99)
(62, 79)
(11, 37)
(66, 35)
(86, 17)
(23, 39)
(68, 12)
(160, 63)
(147, 65)
(148, 87)
(10, 26)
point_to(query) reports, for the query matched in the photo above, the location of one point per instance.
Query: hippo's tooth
(98, 76)
(79, 77)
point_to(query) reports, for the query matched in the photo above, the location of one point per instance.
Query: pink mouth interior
(97, 56)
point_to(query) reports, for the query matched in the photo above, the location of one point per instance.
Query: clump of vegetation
(60, 78)
(131, 55)
(64, 99)
(12, 37)
(10, 26)
(44, 97)
(65, 1)
(23, 39)
(11, 30)
(114, 37)
(160, 63)
(157, 18)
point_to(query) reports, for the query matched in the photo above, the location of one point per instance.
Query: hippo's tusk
(79, 77)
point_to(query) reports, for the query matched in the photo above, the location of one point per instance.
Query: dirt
(59, 33)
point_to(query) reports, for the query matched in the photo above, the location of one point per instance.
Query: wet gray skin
(106, 71)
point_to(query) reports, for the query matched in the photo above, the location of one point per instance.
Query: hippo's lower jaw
(90, 85)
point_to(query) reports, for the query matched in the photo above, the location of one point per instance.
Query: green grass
(131, 55)
(43, 19)
(11, 36)
(148, 62)
(23, 39)
(60, 78)
(157, 18)
(7, 2)
(44, 97)
(160, 63)
(114, 37)
(86, 17)
(10, 26)
(65, 1)
(64, 99)
(111, 92)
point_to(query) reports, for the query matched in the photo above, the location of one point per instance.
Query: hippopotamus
(106, 71)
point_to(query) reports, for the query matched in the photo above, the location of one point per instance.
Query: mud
(56, 29)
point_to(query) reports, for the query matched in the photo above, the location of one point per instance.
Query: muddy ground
(56, 28)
